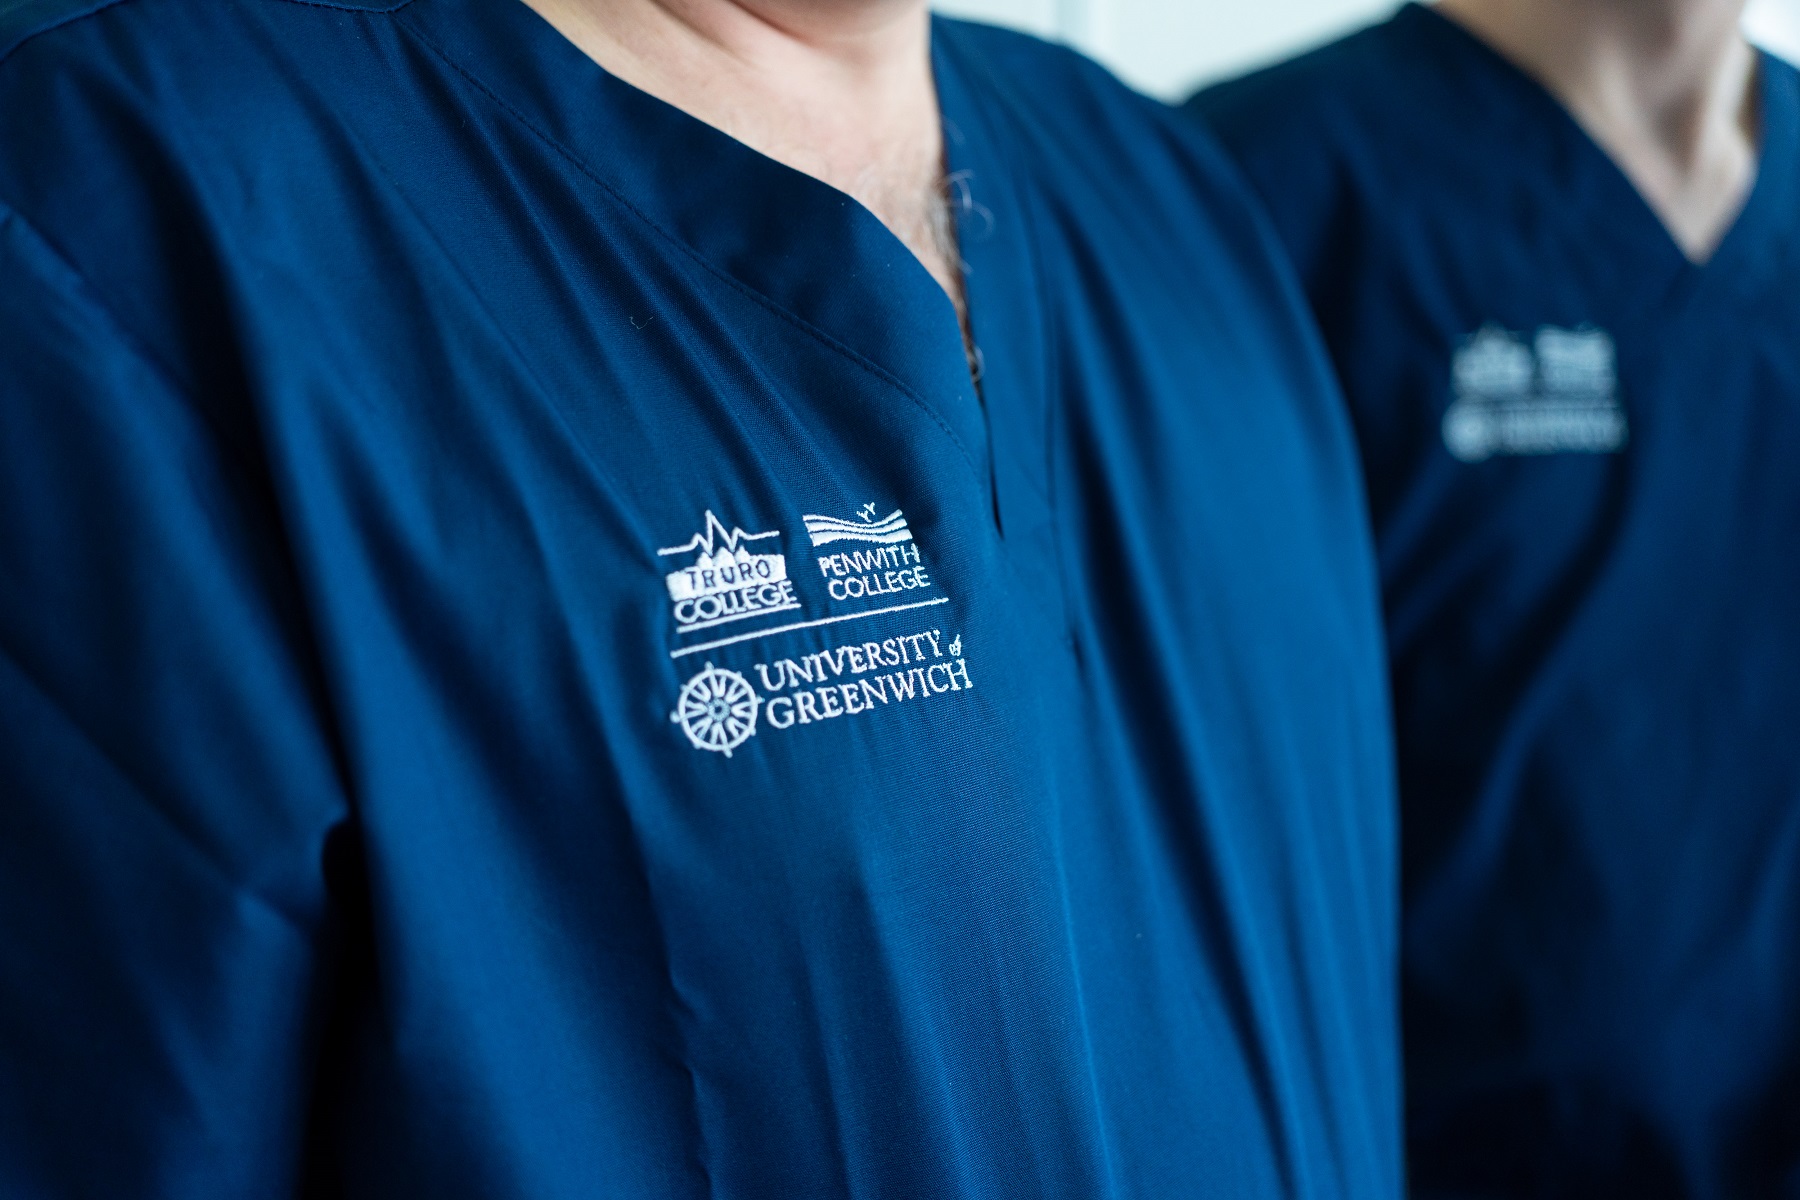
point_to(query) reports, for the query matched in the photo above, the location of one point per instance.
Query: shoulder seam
(94, 7)
(32, 31)
(91, 297)
(125, 333)
(154, 802)
(373, 6)
(574, 160)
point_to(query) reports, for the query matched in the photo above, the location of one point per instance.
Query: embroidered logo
(891, 568)
(892, 671)
(825, 530)
(717, 710)
(1557, 394)
(727, 582)
(734, 577)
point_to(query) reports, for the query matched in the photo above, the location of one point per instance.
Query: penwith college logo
(890, 529)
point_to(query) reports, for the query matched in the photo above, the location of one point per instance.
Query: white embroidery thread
(727, 582)
(1557, 395)
(825, 530)
(717, 710)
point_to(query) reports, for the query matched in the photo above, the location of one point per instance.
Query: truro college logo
(727, 582)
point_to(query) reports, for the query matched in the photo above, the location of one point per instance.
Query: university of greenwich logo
(869, 566)
(1556, 394)
(717, 710)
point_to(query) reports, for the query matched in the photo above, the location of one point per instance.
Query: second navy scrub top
(528, 670)
(1583, 458)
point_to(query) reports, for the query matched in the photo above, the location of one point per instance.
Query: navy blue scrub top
(1583, 458)
(527, 669)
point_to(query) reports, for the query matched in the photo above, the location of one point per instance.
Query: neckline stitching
(800, 323)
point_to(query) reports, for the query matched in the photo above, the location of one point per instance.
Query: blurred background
(1168, 47)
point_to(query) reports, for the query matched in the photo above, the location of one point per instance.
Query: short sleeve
(167, 779)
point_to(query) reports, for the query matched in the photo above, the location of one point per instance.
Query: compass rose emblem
(717, 710)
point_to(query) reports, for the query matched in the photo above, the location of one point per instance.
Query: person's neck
(841, 91)
(1665, 87)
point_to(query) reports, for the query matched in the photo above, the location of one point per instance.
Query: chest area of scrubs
(767, 566)
(1532, 434)
(1547, 393)
(628, 559)
(1521, 439)
(1581, 518)
(681, 614)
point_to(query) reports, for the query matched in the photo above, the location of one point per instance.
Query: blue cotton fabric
(1581, 454)
(528, 669)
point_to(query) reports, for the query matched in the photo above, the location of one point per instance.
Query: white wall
(1776, 24)
(1169, 46)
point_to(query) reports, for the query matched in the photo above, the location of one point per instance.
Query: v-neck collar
(792, 241)
(1761, 242)
(1003, 288)
(1761, 237)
